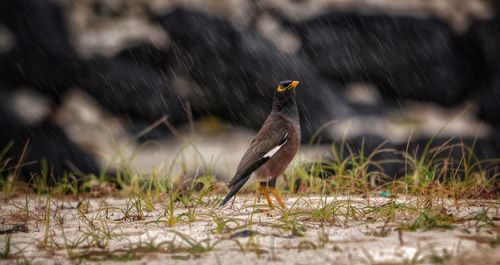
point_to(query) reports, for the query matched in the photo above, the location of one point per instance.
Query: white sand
(345, 241)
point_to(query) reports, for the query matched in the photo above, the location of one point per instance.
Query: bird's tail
(239, 180)
(234, 189)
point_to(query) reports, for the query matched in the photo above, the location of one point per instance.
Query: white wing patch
(273, 151)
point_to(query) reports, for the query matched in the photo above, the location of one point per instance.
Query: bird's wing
(272, 136)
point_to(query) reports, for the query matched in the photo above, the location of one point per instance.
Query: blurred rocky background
(97, 85)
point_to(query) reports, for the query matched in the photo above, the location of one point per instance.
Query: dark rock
(234, 70)
(31, 145)
(405, 57)
(131, 90)
(481, 42)
(148, 55)
(44, 60)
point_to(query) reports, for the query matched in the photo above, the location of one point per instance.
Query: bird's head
(287, 85)
(284, 97)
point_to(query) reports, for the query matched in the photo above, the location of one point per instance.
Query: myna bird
(274, 147)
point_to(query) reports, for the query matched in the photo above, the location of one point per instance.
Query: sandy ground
(103, 231)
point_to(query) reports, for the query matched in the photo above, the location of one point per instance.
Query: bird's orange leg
(278, 197)
(268, 198)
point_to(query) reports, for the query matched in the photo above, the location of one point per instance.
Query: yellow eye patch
(281, 88)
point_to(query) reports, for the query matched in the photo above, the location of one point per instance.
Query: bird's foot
(268, 198)
(278, 197)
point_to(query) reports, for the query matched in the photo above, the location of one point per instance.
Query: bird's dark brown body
(280, 161)
(274, 147)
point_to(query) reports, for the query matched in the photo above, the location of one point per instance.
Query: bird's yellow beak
(292, 85)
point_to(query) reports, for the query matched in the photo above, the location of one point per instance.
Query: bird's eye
(281, 88)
